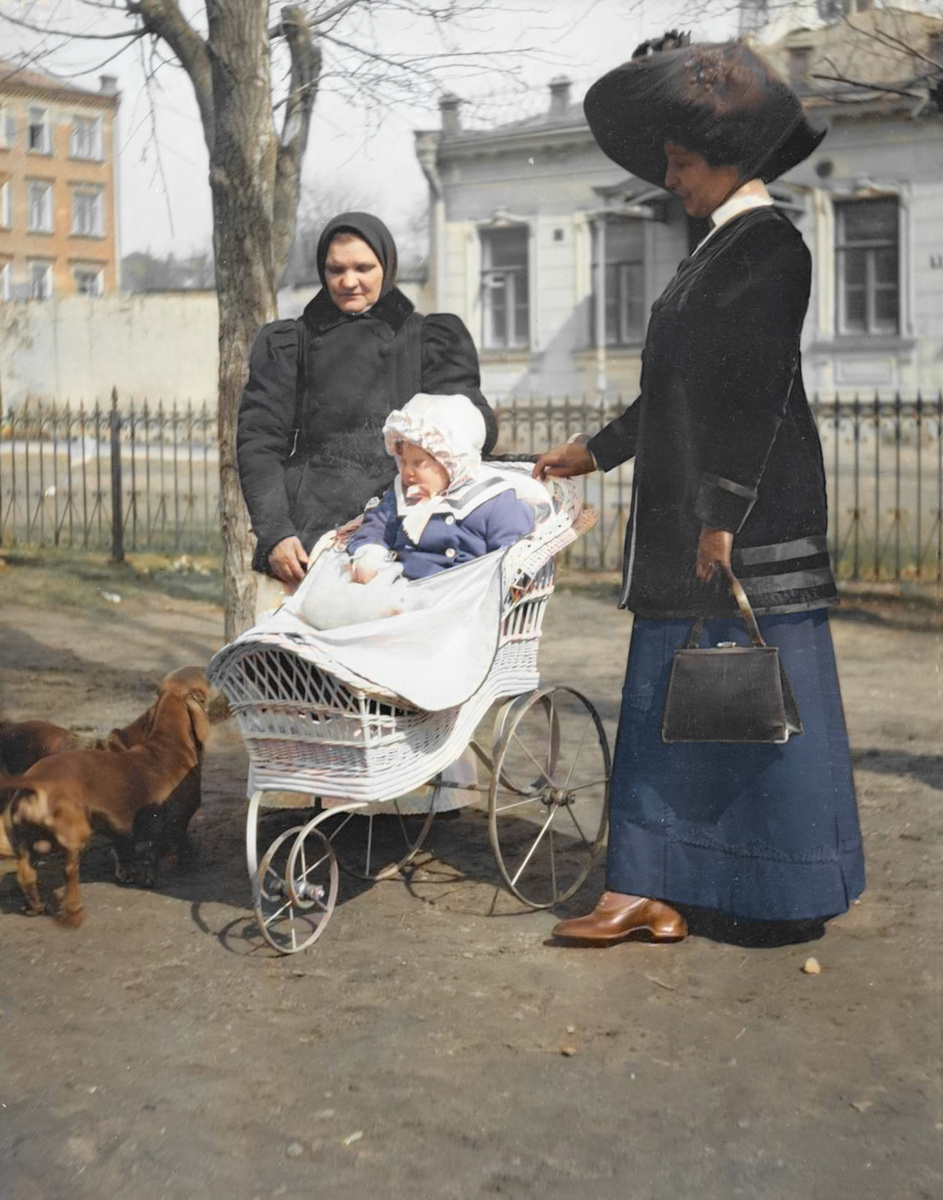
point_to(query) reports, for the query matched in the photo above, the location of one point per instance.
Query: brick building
(58, 211)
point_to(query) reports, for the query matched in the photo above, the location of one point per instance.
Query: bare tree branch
(306, 63)
(164, 20)
(870, 87)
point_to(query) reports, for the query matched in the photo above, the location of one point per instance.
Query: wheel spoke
(341, 825)
(528, 754)
(377, 844)
(591, 783)
(577, 752)
(293, 865)
(559, 732)
(518, 803)
(537, 840)
(579, 827)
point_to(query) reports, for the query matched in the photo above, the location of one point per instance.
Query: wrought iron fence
(103, 479)
(147, 478)
(883, 460)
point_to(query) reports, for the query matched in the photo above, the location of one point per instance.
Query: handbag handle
(746, 612)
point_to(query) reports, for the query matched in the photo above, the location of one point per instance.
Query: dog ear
(199, 721)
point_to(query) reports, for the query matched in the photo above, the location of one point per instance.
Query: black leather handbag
(729, 693)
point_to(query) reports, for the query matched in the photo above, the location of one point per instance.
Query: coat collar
(321, 313)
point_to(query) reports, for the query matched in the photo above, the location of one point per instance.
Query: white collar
(752, 194)
(464, 497)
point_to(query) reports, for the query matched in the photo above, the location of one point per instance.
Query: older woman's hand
(288, 560)
(564, 461)
(714, 548)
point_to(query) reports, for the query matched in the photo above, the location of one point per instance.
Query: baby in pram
(444, 509)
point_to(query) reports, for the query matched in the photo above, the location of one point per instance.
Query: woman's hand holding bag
(729, 693)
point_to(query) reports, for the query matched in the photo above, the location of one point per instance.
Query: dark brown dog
(119, 791)
(164, 830)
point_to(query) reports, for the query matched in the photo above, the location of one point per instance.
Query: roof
(18, 80)
(850, 63)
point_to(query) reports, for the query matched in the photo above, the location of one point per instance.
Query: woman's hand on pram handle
(565, 461)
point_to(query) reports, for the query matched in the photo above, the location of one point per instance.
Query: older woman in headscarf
(309, 444)
(728, 475)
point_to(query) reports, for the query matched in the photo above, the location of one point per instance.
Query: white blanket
(436, 655)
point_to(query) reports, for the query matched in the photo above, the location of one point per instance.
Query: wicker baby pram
(375, 769)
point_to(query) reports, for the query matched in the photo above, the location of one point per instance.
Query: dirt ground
(435, 1043)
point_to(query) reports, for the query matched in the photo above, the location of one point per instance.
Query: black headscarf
(724, 102)
(371, 230)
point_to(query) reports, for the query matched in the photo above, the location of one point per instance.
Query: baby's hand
(361, 572)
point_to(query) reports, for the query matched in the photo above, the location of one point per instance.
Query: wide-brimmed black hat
(721, 101)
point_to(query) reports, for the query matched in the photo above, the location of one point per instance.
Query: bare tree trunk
(242, 179)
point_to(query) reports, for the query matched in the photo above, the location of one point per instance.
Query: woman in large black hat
(728, 473)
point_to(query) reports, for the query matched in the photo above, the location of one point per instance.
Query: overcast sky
(353, 153)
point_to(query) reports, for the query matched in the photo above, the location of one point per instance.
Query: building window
(86, 138)
(40, 137)
(88, 280)
(834, 10)
(504, 286)
(40, 281)
(623, 246)
(867, 267)
(87, 212)
(6, 213)
(7, 127)
(40, 207)
(6, 282)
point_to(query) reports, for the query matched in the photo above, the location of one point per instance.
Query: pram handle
(528, 458)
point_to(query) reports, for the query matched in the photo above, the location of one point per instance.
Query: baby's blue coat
(446, 541)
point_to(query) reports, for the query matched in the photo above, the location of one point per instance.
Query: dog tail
(9, 785)
(18, 789)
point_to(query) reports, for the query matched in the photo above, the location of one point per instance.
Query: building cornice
(474, 143)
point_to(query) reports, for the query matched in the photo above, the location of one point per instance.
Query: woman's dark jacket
(355, 371)
(722, 433)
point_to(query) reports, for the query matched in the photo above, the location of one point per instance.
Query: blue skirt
(758, 832)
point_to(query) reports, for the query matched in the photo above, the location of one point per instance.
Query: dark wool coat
(722, 433)
(306, 468)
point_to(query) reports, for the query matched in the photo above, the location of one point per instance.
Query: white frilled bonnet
(450, 428)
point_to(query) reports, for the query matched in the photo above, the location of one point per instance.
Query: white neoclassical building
(553, 255)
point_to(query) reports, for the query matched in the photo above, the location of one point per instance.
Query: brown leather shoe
(617, 916)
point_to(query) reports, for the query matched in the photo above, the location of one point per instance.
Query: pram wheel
(295, 888)
(548, 802)
(377, 845)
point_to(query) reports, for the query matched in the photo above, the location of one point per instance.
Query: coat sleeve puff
(265, 432)
(450, 367)
(748, 362)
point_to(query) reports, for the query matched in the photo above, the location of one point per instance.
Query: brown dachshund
(164, 830)
(119, 791)
(23, 743)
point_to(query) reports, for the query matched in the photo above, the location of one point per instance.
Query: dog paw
(70, 918)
